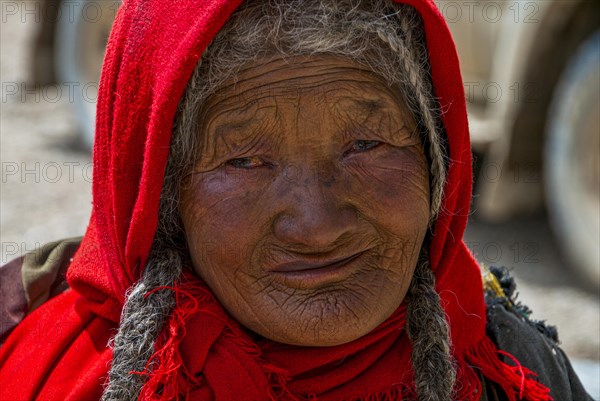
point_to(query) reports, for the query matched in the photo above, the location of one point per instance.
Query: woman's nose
(314, 217)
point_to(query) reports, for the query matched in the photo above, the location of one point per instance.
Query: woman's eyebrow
(238, 118)
(369, 106)
(366, 108)
(224, 129)
(232, 134)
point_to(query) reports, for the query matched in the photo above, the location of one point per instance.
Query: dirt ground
(46, 195)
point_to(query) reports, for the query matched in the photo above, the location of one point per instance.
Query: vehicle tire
(81, 35)
(572, 162)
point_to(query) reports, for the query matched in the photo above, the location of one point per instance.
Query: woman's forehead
(324, 78)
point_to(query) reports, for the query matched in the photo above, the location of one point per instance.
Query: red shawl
(59, 352)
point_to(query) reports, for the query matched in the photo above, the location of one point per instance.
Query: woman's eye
(362, 146)
(246, 162)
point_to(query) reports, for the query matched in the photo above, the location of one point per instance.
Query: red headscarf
(60, 350)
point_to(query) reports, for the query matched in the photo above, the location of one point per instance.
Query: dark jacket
(532, 342)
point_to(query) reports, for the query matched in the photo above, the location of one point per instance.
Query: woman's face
(306, 211)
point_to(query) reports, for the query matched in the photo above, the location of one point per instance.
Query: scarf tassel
(515, 379)
(168, 378)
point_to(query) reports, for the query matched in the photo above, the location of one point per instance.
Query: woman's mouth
(302, 273)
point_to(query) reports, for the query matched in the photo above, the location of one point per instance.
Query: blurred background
(531, 72)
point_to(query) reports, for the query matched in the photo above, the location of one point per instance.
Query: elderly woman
(280, 193)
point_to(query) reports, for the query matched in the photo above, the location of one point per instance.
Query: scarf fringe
(168, 378)
(518, 382)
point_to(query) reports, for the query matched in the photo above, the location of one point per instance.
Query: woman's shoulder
(533, 343)
(30, 280)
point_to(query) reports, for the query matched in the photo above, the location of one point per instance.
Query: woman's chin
(320, 324)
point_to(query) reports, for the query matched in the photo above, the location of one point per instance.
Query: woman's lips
(300, 265)
(306, 274)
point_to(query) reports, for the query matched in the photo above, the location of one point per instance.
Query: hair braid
(141, 322)
(429, 332)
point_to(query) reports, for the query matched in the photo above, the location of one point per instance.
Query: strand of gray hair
(429, 332)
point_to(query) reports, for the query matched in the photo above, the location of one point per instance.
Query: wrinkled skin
(309, 160)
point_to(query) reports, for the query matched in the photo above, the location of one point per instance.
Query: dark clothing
(531, 342)
(30, 280)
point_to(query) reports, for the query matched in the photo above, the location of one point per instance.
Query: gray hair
(386, 38)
